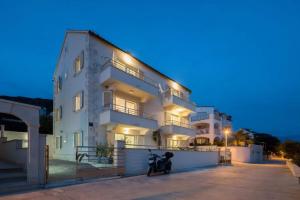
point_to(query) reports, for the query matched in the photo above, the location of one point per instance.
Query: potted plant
(105, 154)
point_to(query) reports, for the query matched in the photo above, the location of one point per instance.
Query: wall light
(127, 59)
(126, 130)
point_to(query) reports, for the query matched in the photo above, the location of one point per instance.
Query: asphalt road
(241, 181)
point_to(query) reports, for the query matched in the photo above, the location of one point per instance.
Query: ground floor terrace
(240, 182)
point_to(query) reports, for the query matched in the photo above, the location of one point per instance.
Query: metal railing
(200, 116)
(129, 111)
(171, 92)
(202, 131)
(116, 63)
(169, 148)
(177, 123)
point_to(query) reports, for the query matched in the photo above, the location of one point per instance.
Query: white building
(210, 124)
(103, 94)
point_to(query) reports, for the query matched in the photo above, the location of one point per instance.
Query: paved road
(251, 182)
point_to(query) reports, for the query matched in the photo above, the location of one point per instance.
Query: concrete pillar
(119, 156)
(42, 158)
(33, 155)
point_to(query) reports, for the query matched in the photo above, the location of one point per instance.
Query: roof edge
(92, 33)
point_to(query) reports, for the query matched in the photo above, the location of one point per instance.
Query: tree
(271, 143)
(241, 137)
(46, 124)
(157, 137)
(291, 150)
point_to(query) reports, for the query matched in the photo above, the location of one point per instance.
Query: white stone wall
(136, 160)
(250, 154)
(71, 121)
(12, 151)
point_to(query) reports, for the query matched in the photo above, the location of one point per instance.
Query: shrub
(291, 150)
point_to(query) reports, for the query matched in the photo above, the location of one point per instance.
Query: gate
(89, 162)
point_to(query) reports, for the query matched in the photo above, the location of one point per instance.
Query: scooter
(159, 163)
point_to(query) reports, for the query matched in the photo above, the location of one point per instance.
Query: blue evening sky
(240, 56)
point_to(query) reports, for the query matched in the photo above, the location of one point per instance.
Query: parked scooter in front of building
(159, 163)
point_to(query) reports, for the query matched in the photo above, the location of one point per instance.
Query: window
(58, 142)
(77, 139)
(78, 101)
(58, 113)
(171, 119)
(107, 99)
(78, 63)
(130, 139)
(126, 106)
(58, 84)
(175, 143)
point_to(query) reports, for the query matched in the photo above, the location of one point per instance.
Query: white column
(119, 156)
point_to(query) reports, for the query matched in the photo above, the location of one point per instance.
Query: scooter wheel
(149, 171)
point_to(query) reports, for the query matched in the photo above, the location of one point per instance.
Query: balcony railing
(177, 123)
(202, 131)
(199, 117)
(131, 71)
(172, 92)
(126, 110)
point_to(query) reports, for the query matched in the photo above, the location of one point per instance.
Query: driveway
(241, 181)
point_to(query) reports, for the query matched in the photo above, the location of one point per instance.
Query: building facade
(103, 94)
(209, 124)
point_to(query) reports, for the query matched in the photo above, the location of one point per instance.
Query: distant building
(209, 124)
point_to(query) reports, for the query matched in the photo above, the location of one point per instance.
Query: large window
(126, 106)
(77, 139)
(130, 139)
(78, 101)
(126, 68)
(171, 143)
(171, 119)
(177, 93)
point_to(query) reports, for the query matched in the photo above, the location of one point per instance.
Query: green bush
(103, 150)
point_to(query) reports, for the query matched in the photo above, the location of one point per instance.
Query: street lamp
(227, 131)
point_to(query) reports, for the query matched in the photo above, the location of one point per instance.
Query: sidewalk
(237, 182)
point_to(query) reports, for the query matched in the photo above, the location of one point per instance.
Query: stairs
(11, 174)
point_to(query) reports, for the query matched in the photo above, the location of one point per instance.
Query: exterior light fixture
(227, 131)
(127, 59)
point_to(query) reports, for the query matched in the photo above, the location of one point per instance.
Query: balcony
(199, 116)
(175, 100)
(116, 114)
(128, 79)
(202, 131)
(177, 128)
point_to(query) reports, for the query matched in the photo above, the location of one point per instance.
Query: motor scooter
(159, 163)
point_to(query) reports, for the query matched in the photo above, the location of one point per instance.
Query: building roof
(92, 33)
